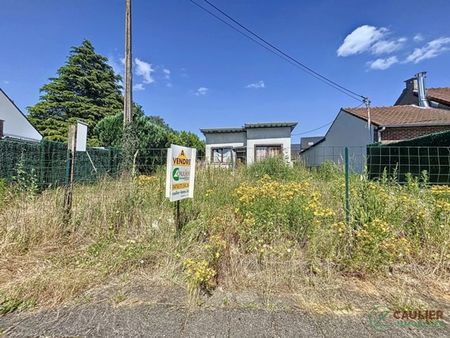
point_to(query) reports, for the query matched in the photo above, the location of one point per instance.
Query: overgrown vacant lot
(269, 230)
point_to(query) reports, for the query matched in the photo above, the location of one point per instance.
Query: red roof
(441, 95)
(407, 115)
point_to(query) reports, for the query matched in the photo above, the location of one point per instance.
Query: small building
(13, 123)
(248, 144)
(307, 142)
(295, 151)
(356, 128)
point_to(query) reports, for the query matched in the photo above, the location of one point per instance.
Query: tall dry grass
(270, 229)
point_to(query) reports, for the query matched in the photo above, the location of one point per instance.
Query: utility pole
(129, 142)
(128, 100)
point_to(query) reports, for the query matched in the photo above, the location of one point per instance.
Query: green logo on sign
(175, 174)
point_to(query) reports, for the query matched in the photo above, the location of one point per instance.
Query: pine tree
(86, 89)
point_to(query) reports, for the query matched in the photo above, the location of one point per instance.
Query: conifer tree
(86, 89)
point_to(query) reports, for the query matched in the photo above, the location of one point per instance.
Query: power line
(284, 53)
(277, 51)
(311, 130)
(327, 124)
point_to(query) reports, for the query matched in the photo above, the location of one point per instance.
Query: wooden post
(70, 170)
(1, 128)
(177, 220)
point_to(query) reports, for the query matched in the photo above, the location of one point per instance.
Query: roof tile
(441, 95)
(407, 115)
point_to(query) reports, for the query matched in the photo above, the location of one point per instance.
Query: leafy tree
(86, 89)
(188, 139)
(152, 133)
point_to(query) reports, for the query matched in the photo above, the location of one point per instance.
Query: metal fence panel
(401, 161)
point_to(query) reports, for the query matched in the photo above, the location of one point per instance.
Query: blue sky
(196, 72)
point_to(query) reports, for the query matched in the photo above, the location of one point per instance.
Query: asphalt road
(144, 320)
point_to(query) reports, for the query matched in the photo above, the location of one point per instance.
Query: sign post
(180, 176)
(70, 168)
(77, 140)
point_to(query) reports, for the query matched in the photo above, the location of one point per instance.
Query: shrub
(274, 167)
(25, 180)
(270, 209)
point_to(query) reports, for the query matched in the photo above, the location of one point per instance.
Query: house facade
(229, 147)
(355, 128)
(13, 123)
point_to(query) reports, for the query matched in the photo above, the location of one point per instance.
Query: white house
(355, 128)
(13, 123)
(250, 143)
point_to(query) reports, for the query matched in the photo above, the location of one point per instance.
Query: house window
(222, 155)
(262, 152)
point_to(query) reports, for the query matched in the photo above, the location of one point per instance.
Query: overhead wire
(323, 126)
(277, 51)
(311, 130)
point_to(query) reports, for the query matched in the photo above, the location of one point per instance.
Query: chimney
(421, 89)
(1, 128)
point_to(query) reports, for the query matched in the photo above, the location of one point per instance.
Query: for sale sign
(180, 172)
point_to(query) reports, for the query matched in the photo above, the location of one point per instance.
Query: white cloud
(382, 64)
(166, 73)
(418, 37)
(256, 85)
(202, 91)
(5, 82)
(430, 50)
(387, 46)
(138, 87)
(361, 39)
(145, 70)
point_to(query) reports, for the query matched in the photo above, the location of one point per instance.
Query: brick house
(417, 112)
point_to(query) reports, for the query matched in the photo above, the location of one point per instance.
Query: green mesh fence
(399, 161)
(46, 162)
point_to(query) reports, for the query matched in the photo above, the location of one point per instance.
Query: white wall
(268, 136)
(16, 125)
(284, 142)
(221, 138)
(346, 131)
(251, 138)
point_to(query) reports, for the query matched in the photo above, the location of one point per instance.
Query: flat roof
(222, 130)
(246, 126)
(292, 125)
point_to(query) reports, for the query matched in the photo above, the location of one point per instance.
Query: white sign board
(180, 172)
(81, 136)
